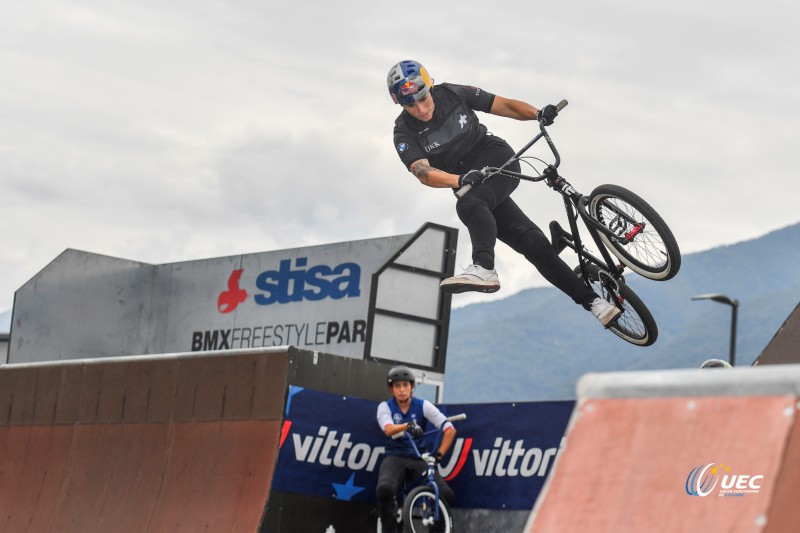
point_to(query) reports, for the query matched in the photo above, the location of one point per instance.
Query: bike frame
(575, 205)
(429, 476)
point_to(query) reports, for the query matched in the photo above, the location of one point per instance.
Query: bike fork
(435, 502)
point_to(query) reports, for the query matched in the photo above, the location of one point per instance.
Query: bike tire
(651, 252)
(418, 506)
(636, 324)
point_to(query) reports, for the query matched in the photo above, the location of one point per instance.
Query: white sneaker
(474, 278)
(604, 311)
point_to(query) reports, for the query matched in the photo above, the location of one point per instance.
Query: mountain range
(534, 345)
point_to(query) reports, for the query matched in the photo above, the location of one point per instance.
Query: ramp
(161, 443)
(678, 451)
(784, 347)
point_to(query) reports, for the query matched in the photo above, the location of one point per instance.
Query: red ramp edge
(634, 439)
(783, 515)
(140, 444)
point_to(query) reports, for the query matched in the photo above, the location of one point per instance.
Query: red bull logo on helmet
(409, 87)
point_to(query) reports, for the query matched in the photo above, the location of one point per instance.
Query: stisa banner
(331, 446)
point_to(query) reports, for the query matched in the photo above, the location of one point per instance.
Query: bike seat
(558, 235)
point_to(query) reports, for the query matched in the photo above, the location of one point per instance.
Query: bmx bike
(619, 222)
(417, 505)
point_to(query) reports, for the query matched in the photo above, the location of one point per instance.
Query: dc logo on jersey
(402, 147)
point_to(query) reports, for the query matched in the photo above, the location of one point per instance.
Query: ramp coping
(148, 357)
(769, 380)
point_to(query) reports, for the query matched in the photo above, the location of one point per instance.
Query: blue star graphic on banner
(348, 490)
(292, 391)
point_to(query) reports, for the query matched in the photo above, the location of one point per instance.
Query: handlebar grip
(462, 416)
(561, 105)
(466, 188)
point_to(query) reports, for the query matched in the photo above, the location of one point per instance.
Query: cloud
(169, 132)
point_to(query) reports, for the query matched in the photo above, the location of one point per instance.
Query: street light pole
(734, 303)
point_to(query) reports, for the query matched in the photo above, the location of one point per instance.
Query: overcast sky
(170, 131)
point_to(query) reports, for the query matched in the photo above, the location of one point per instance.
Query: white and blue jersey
(420, 412)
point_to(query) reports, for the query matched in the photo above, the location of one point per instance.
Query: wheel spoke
(420, 511)
(641, 242)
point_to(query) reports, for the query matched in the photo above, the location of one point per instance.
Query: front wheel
(635, 325)
(644, 241)
(419, 512)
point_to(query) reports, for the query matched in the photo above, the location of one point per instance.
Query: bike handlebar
(466, 188)
(453, 418)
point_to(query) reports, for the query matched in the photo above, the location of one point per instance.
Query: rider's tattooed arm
(421, 168)
(432, 177)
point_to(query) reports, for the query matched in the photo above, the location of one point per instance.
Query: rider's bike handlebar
(453, 418)
(466, 188)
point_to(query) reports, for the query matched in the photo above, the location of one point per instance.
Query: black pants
(395, 469)
(490, 214)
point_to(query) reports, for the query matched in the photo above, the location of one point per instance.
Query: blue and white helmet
(408, 82)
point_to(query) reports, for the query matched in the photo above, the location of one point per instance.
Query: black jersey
(451, 133)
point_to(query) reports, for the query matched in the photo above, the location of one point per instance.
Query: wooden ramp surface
(152, 444)
(636, 439)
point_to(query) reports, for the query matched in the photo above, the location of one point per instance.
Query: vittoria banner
(331, 446)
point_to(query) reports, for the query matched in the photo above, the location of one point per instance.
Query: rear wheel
(635, 325)
(419, 513)
(645, 242)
